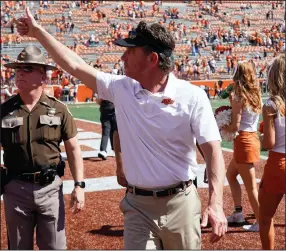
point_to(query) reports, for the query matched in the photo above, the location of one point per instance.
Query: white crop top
(249, 120)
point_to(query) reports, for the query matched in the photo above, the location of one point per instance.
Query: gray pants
(29, 205)
(171, 222)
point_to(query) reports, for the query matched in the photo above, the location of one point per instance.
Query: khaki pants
(29, 205)
(171, 222)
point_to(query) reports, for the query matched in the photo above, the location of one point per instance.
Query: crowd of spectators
(211, 36)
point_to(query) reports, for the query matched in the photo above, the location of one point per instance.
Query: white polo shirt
(158, 140)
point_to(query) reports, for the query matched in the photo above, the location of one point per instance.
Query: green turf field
(90, 111)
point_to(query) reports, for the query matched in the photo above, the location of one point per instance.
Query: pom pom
(223, 118)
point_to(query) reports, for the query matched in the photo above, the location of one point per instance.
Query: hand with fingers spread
(77, 199)
(27, 25)
(216, 216)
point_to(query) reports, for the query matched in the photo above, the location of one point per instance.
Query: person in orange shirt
(58, 92)
(65, 81)
(204, 63)
(55, 74)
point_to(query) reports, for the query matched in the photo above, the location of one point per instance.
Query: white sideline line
(89, 121)
(110, 182)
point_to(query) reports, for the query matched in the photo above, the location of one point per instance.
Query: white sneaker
(103, 155)
(252, 228)
(236, 218)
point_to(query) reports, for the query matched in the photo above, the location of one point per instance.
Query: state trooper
(33, 125)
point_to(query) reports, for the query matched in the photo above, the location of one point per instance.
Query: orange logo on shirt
(167, 101)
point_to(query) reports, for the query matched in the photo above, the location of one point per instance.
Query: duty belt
(161, 192)
(42, 178)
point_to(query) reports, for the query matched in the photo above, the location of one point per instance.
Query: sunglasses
(27, 69)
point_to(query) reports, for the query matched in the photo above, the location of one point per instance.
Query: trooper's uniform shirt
(31, 139)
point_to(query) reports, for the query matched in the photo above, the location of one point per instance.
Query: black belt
(160, 193)
(30, 177)
(42, 178)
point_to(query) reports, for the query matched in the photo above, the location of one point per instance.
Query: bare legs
(247, 173)
(268, 205)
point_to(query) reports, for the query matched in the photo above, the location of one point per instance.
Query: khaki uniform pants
(171, 222)
(29, 205)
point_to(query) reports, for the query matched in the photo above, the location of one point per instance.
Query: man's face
(29, 77)
(135, 62)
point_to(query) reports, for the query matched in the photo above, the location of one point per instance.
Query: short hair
(162, 38)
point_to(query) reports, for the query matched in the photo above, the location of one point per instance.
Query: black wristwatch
(80, 184)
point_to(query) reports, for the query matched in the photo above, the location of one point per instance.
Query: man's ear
(153, 57)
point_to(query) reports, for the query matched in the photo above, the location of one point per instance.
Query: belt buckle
(131, 189)
(35, 177)
(157, 191)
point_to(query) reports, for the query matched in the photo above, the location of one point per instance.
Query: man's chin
(25, 88)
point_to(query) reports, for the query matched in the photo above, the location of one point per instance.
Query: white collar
(169, 91)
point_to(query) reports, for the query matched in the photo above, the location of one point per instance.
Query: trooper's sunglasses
(27, 69)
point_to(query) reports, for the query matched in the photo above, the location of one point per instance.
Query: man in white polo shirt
(159, 119)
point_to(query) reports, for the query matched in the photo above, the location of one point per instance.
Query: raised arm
(63, 56)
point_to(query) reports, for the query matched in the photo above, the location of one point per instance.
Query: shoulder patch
(56, 100)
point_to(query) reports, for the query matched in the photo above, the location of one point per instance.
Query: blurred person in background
(108, 125)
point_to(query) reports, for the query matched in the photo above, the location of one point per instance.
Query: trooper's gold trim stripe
(52, 97)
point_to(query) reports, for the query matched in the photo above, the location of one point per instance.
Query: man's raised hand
(27, 25)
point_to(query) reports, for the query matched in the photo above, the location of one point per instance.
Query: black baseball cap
(138, 39)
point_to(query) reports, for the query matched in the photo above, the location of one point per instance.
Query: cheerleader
(272, 186)
(246, 106)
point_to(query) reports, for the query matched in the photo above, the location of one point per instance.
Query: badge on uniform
(51, 112)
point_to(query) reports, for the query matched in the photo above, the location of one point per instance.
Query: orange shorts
(273, 179)
(246, 148)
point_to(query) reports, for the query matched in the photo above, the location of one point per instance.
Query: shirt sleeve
(105, 85)
(68, 129)
(203, 123)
